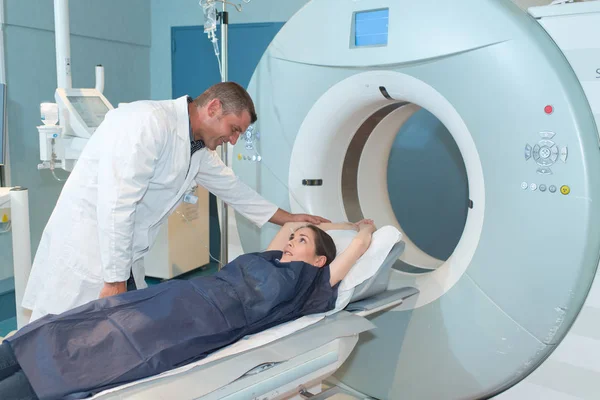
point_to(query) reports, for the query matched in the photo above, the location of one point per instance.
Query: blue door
(195, 68)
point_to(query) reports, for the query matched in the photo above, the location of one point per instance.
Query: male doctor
(135, 170)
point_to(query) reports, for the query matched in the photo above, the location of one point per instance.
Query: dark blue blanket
(113, 341)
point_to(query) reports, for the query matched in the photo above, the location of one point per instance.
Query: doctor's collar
(195, 144)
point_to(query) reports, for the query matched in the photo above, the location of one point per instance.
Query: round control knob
(524, 185)
(545, 152)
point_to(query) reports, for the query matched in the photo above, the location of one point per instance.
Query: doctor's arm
(222, 182)
(281, 217)
(124, 174)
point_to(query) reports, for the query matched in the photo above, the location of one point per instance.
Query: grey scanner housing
(378, 283)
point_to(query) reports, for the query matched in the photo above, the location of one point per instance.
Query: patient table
(287, 361)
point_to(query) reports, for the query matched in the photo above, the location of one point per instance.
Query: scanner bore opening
(427, 184)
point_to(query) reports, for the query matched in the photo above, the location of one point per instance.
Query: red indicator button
(548, 110)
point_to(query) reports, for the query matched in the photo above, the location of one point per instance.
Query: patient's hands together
(366, 225)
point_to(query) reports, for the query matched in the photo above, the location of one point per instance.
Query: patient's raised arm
(342, 264)
(339, 226)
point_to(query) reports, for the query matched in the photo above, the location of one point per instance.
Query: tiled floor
(10, 324)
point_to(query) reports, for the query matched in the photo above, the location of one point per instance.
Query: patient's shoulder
(326, 277)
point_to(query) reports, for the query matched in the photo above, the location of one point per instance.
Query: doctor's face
(220, 128)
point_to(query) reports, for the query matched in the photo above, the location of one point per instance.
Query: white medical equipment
(80, 111)
(17, 200)
(83, 109)
(517, 291)
(572, 370)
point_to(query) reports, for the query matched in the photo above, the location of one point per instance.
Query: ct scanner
(512, 310)
(330, 104)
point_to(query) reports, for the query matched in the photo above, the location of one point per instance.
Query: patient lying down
(120, 339)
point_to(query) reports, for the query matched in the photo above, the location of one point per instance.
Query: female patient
(119, 339)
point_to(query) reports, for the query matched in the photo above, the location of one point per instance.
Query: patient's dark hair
(324, 244)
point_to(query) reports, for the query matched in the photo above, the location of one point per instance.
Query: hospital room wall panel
(99, 35)
(115, 20)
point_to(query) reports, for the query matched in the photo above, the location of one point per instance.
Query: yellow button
(240, 156)
(565, 189)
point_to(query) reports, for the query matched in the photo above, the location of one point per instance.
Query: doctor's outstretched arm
(222, 182)
(281, 217)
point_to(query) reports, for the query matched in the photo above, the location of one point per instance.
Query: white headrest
(367, 266)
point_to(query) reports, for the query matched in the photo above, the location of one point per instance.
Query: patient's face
(301, 247)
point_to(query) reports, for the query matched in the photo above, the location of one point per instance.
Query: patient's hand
(366, 225)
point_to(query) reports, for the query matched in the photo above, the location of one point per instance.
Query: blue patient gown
(113, 341)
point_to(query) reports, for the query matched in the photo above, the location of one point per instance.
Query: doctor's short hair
(234, 99)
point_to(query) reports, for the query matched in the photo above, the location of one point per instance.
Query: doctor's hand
(281, 217)
(111, 289)
(311, 219)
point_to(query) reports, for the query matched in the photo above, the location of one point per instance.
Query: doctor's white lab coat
(131, 176)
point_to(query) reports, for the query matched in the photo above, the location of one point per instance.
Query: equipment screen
(371, 28)
(91, 109)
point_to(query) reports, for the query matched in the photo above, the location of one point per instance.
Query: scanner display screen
(91, 109)
(371, 28)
